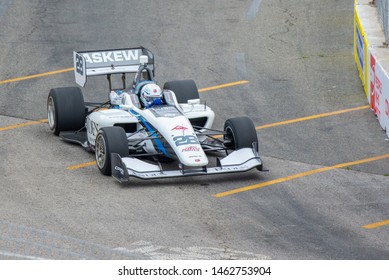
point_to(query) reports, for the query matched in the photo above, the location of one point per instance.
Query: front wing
(238, 161)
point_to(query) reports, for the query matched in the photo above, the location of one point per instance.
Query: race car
(142, 130)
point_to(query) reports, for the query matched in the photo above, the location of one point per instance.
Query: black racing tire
(240, 133)
(184, 90)
(109, 140)
(65, 109)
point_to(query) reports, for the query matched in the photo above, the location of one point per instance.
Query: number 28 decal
(185, 140)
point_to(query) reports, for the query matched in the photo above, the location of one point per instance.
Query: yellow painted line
(219, 136)
(36, 76)
(307, 118)
(71, 69)
(376, 225)
(299, 175)
(224, 85)
(312, 117)
(22, 124)
(90, 163)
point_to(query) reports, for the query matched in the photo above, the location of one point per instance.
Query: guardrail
(372, 59)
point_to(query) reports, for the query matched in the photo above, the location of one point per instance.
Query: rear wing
(107, 62)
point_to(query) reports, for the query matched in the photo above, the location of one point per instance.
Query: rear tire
(240, 133)
(110, 140)
(184, 90)
(65, 109)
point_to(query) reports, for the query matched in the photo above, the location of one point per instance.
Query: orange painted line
(296, 176)
(307, 118)
(219, 136)
(36, 76)
(224, 85)
(312, 117)
(82, 165)
(22, 124)
(376, 225)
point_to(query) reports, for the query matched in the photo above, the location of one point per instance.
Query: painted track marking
(36, 76)
(307, 118)
(23, 124)
(241, 66)
(82, 165)
(223, 86)
(18, 256)
(376, 225)
(253, 9)
(298, 175)
(4, 6)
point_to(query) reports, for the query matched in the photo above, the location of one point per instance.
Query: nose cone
(186, 144)
(192, 155)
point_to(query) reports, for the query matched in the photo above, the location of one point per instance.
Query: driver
(150, 95)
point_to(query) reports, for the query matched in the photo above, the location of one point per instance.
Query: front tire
(65, 109)
(110, 140)
(240, 133)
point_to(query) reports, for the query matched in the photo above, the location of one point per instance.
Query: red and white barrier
(372, 60)
(378, 94)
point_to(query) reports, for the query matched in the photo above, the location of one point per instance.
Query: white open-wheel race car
(141, 128)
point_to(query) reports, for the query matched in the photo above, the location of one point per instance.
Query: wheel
(240, 133)
(184, 90)
(110, 140)
(65, 109)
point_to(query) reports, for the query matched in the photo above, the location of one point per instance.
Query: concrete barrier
(372, 59)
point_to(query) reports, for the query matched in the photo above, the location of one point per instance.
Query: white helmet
(149, 93)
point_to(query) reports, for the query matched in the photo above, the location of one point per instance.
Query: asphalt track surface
(326, 195)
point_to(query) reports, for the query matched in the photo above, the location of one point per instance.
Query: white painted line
(241, 66)
(157, 252)
(4, 6)
(253, 9)
(18, 256)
